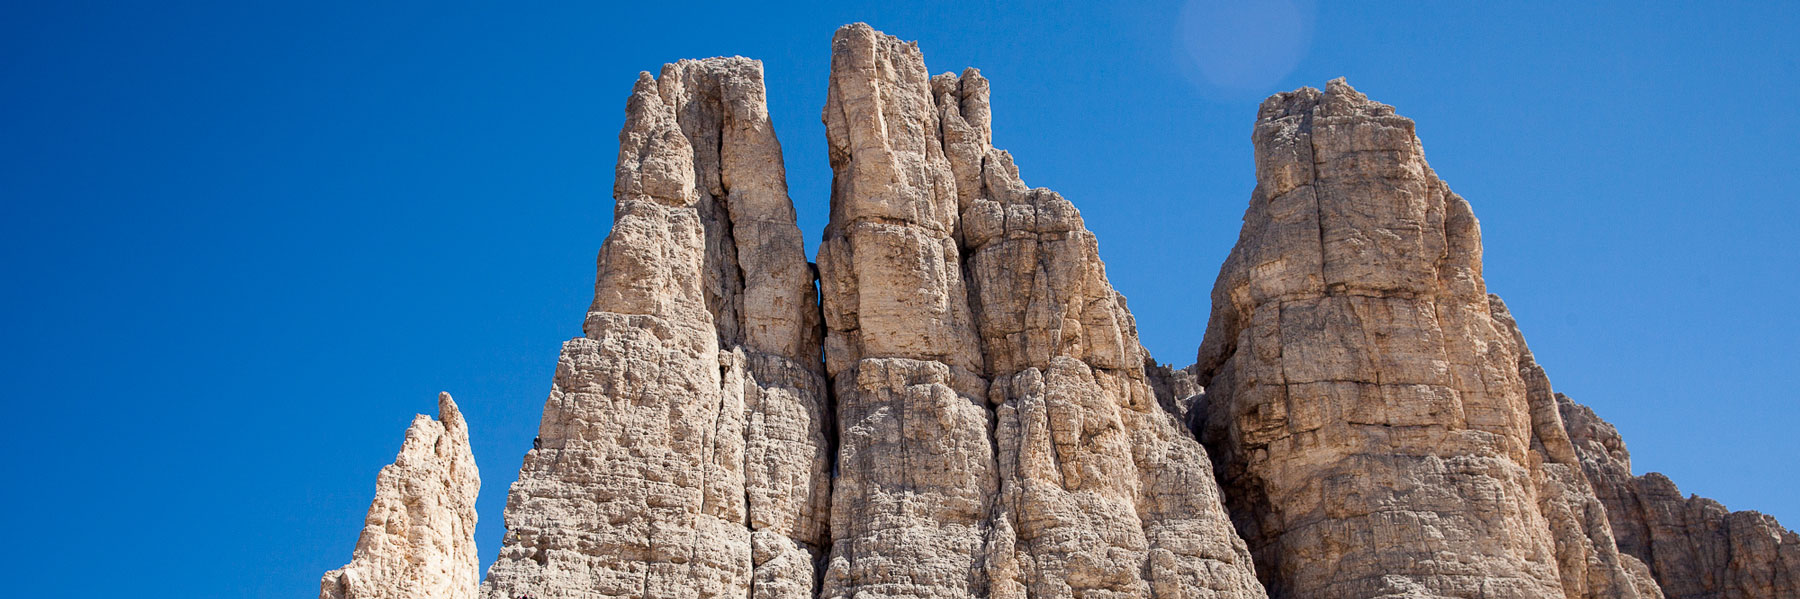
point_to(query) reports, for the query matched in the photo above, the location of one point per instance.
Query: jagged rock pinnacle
(419, 538)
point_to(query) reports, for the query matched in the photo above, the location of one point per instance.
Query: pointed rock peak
(1342, 100)
(683, 449)
(419, 537)
(450, 416)
(861, 32)
(1337, 100)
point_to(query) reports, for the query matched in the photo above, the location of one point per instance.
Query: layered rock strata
(418, 540)
(1695, 547)
(998, 435)
(684, 449)
(1367, 414)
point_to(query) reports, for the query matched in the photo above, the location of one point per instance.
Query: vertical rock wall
(684, 449)
(419, 538)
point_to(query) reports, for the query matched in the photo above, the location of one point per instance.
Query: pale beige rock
(999, 435)
(916, 465)
(1367, 414)
(992, 426)
(1695, 547)
(418, 541)
(683, 450)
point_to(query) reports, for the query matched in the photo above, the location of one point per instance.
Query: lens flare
(1242, 47)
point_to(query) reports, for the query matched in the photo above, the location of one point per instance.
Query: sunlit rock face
(954, 402)
(998, 435)
(419, 538)
(684, 451)
(1367, 413)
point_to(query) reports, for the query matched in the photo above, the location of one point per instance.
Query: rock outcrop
(684, 449)
(998, 434)
(1695, 547)
(419, 538)
(1366, 411)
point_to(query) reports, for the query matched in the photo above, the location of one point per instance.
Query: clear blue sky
(242, 245)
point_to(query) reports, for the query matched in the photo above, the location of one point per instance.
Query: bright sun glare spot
(1245, 46)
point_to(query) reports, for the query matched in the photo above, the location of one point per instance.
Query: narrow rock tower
(683, 449)
(419, 538)
(1366, 410)
(998, 435)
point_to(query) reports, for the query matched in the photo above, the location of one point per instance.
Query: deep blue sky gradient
(243, 244)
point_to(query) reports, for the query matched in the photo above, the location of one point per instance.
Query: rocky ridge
(1696, 547)
(961, 408)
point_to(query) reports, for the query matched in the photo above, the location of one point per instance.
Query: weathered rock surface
(419, 538)
(684, 449)
(962, 407)
(1366, 412)
(1695, 547)
(998, 433)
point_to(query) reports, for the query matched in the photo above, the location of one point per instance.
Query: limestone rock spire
(999, 436)
(1364, 407)
(683, 450)
(418, 541)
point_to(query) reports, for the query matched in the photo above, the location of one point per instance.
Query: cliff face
(961, 407)
(419, 537)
